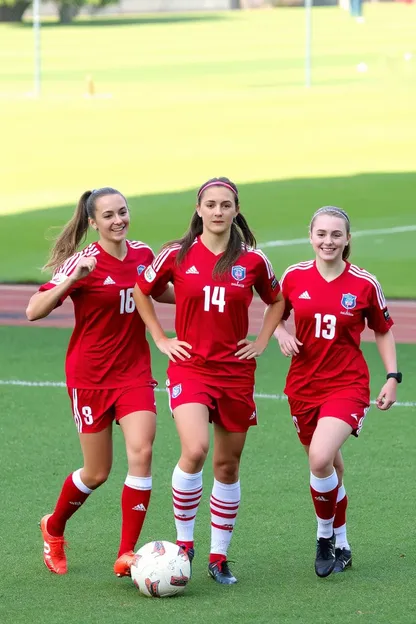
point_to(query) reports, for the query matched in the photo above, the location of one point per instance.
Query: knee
(226, 470)
(195, 454)
(320, 463)
(140, 456)
(93, 480)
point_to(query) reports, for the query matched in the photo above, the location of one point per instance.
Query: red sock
(341, 512)
(134, 504)
(185, 545)
(325, 503)
(324, 496)
(213, 558)
(70, 500)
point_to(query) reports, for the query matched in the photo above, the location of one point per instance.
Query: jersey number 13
(325, 326)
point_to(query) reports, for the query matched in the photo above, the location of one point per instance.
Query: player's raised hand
(83, 268)
(174, 348)
(251, 349)
(387, 395)
(289, 345)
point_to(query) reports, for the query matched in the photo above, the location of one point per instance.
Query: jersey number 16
(127, 305)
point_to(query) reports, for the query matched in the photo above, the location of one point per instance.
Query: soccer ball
(161, 569)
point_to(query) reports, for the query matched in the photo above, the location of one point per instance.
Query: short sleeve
(266, 283)
(378, 317)
(60, 275)
(285, 285)
(154, 279)
(146, 259)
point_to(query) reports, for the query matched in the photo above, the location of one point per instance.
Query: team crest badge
(176, 390)
(238, 272)
(349, 301)
(140, 269)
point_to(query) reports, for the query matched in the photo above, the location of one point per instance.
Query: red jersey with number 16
(212, 314)
(329, 320)
(108, 347)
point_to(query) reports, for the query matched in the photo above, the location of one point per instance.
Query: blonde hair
(333, 211)
(75, 231)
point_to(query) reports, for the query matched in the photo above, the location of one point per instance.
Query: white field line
(358, 234)
(258, 395)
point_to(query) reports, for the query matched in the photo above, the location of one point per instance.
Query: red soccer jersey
(108, 347)
(329, 320)
(211, 314)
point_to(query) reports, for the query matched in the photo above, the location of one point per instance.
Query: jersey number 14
(214, 297)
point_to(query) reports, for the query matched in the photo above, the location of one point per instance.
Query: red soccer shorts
(233, 409)
(305, 417)
(94, 410)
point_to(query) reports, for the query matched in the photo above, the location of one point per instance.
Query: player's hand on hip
(289, 345)
(84, 268)
(387, 395)
(174, 348)
(251, 349)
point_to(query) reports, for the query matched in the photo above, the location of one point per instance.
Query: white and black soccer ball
(161, 569)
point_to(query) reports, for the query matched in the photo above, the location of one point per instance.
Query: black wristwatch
(397, 376)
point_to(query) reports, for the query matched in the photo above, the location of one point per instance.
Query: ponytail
(73, 233)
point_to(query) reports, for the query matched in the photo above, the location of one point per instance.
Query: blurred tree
(13, 10)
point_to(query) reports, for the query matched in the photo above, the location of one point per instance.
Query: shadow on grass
(134, 20)
(277, 209)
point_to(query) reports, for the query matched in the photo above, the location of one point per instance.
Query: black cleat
(221, 573)
(325, 556)
(343, 559)
(190, 552)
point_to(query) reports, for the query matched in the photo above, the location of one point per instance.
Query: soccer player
(328, 383)
(108, 369)
(214, 268)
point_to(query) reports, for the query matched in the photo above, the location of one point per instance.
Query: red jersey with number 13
(108, 347)
(212, 314)
(329, 320)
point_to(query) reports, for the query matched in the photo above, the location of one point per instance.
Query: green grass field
(181, 99)
(183, 109)
(273, 546)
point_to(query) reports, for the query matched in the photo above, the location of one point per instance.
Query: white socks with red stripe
(225, 500)
(186, 492)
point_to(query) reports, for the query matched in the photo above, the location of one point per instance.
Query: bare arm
(172, 347)
(41, 304)
(271, 319)
(386, 346)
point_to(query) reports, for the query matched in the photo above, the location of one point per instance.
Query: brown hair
(333, 211)
(75, 231)
(240, 234)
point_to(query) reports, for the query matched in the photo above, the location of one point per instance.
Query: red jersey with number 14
(108, 347)
(212, 314)
(329, 320)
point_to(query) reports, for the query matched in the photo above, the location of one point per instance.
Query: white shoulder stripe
(69, 265)
(163, 255)
(265, 259)
(138, 245)
(365, 275)
(301, 266)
